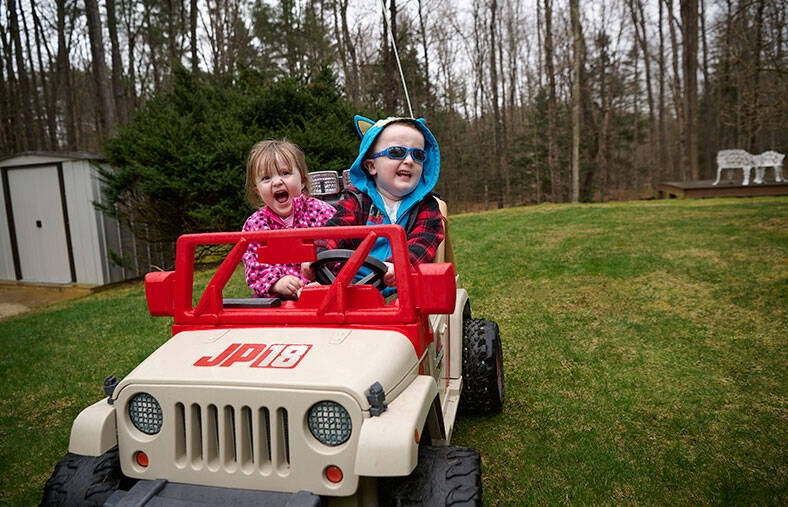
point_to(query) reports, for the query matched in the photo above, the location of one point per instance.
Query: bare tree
(23, 98)
(689, 26)
(663, 158)
(47, 90)
(38, 111)
(118, 90)
(639, 24)
(677, 95)
(495, 105)
(351, 50)
(63, 91)
(106, 111)
(577, 52)
(556, 190)
(423, 33)
(193, 35)
(7, 99)
(754, 123)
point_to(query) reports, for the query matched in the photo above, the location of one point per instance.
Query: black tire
(83, 480)
(483, 384)
(444, 476)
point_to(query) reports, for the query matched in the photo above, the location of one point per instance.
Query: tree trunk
(341, 49)
(24, 85)
(556, 190)
(117, 65)
(131, 53)
(577, 50)
(503, 137)
(639, 22)
(38, 120)
(389, 62)
(423, 33)
(705, 60)
(64, 78)
(351, 49)
(632, 178)
(755, 123)
(603, 153)
(7, 130)
(689, 25)
(497, 176)
(172, 48)
(106, 111)
(663, 155)
(49, 95)
(193, 35)
(677, 95)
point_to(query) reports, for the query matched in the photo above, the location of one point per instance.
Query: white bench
(768, 159)
(740, 159)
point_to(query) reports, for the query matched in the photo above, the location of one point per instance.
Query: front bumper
(159, 492)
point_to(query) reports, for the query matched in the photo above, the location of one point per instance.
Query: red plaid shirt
(423, 238)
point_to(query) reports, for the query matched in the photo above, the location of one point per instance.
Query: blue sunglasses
(400, 152)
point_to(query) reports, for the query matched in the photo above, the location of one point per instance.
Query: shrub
(179, 166)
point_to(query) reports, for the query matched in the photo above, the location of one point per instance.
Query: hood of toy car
(341, 359)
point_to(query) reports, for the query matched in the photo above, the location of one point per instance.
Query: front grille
(233, 438)
(239, 437)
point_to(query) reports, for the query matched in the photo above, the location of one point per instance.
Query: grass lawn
(645, 347)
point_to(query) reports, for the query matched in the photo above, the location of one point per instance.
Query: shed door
(39, 224)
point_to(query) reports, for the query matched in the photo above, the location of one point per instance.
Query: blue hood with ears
(369, 131)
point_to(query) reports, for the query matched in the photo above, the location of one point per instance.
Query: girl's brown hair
(263, 160)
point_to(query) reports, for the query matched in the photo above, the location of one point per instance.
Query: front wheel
(83, 480)
(444, 476)
(482, 368)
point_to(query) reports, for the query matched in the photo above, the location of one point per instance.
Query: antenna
(396, 55)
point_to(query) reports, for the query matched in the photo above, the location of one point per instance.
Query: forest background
(531, 100)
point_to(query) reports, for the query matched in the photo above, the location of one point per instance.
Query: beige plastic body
(93, 432)
(388, 444)
(214, 416)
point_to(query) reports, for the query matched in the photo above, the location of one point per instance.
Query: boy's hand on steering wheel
(389, 278)
(307, 271)
(288, 286)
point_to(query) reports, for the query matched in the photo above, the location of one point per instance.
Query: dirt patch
(16, 298)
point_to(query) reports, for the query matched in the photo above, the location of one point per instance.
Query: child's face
(396, 178)
(278, 188)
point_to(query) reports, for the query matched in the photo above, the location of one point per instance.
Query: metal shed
(50, 231)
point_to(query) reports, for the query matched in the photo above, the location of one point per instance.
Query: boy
(396, 169)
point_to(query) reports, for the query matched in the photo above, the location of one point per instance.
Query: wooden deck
(704, 188)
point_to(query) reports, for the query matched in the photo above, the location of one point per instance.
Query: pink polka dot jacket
(307, 212)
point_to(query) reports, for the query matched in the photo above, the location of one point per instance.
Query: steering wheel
(327, 258)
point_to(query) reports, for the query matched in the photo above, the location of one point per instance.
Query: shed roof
(70, 155)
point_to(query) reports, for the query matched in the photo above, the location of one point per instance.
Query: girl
(276, 178)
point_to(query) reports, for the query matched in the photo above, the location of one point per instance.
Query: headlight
(145, 413)
(330, 423)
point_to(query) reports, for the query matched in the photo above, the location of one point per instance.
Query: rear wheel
(83, 480)
(482, 368)
(444, 476)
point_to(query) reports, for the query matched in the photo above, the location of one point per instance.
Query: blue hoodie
(369, 131)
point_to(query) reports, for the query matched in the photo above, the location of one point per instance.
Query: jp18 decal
(258, 355)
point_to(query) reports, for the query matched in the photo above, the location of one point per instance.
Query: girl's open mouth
(281, 196)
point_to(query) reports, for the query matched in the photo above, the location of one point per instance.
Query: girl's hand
(313, 284)
(389, 278)
(288, 286)
(307, 271)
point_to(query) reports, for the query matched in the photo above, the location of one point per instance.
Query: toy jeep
(338, 398)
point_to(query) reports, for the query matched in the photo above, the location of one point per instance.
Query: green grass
(645, 347)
